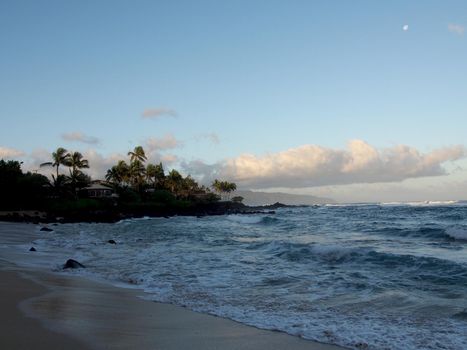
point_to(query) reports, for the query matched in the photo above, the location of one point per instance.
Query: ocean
(363, 276)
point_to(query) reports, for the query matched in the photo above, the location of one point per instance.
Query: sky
(353, 100)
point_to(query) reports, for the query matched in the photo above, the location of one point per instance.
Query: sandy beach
(45, 310)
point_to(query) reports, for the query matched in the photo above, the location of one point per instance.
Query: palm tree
(59, 158)
(173, 181)
(123, 172)
(151, 173)
(137, 173)
(155, 174)
(229, 187)
(137, 154)
(190, 186)
(76, 162)
(119, 174)
(223, 187)
(113, 176)
(217, 186)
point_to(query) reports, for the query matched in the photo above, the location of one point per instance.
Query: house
(99, 190)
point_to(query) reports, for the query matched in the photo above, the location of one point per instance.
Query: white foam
(421, 203)
(457, 233)
(245, 219)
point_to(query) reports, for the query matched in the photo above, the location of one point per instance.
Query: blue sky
(237, 77)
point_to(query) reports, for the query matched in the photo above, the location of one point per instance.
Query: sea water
(373, 276)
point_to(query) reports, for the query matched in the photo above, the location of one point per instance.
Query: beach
(54, 310)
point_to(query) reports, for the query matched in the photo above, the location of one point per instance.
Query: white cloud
(99, 164)
(8, 153)
(167, 159)
(154, 113)
(206, 173)
(162, 143)
(77, 136)
(312, 165)
(456, 28)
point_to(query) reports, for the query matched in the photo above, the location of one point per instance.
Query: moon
(405, 27)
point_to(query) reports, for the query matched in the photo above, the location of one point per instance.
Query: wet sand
(18, 330)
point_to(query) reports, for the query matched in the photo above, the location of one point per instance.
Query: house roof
(98, 187)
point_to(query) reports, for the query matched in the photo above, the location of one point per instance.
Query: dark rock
(32, 249)
(166, 217)
(73, 264)
(46, 229)
(111, 241)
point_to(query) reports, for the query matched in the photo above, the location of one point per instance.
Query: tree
(137, 170)
(77, 178)
(189, 186)
(21, 191)
(222, 187)
(59, 157)
(76, 162)
(237, 199)
(119, 175)
(137, 154)
(10, 172)
(217, 186)
(137, 174)
(113, 176)
(123, 170)
(173, 181)
(155, 174)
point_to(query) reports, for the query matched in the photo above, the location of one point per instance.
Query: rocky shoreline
(115, 215)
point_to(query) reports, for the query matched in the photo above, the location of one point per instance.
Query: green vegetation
(65, 186)
(224, 188)
(132, 187)
(21, 191)
(142, 182)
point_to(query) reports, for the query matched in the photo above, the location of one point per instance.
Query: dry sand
(42, 310)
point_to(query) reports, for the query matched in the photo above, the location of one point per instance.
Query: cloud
(456, 28)
(211, 137)
(312, 165)
(99, 164)
(167, 159)
(77, 136)
(206, 173)
(154, 113)
(163, 143)
(8, 153)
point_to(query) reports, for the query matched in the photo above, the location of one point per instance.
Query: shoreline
(113, 216)
(19, 331)
(74, 310)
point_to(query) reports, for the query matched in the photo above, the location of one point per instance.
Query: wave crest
(457, 233)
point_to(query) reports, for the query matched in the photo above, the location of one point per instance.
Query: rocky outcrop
(73, 264)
